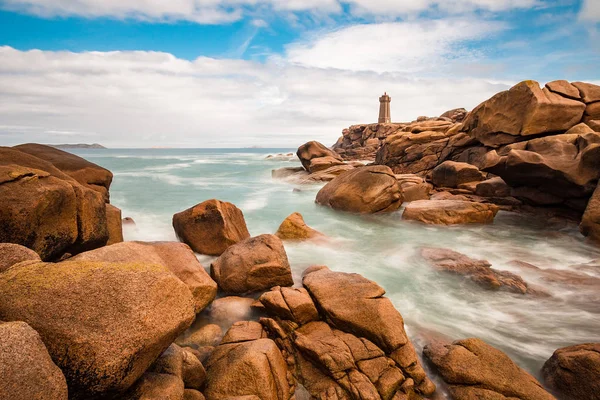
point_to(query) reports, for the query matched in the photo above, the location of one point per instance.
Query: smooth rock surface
(450, 212)
(11, 254)
(451, 174)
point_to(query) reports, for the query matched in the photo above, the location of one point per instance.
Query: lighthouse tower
(385, 116)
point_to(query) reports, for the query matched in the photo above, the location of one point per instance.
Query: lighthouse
(384, 109)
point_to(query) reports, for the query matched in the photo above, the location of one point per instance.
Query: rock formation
(574, 372)
(450, 212)
(211, 227)
(315, 157)
(294, 228)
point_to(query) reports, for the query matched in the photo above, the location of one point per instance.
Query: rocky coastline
(86, 315)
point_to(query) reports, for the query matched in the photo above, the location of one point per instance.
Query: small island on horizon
(77, 146)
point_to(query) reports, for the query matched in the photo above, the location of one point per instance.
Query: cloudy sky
(271, 73)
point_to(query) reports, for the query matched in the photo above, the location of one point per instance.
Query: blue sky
(273, 71)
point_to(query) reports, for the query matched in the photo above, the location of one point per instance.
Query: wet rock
(479, 271)
(365, 190)
(451, 174)
(253, 265)
(86, 173)
(294, 228)
(244, 331)
(315, 157)
(126, 316)
(207, 335)
(115, 225)
(177, 257)
(450, 212)
(357, 306)
(26, 368)
(211, 227)
(475, 370)
(254, 368)
(522, 111)
(226, 311)
(292, 304)
(574, 372)
(11, 254)
(45, 209)
(590, 222)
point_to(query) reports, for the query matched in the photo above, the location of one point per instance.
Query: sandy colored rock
(177, 257)
(365, 190)
(126, 316)
(193, 373)
(26, 368)
(323, 163)
(565, 89)
(11, 254)
(294, 304)
(475, 370)
(592, 112)
(450, 212)
(169, 362)
(574, 372)
(316, 151)
(255, 264)
(254, 368)
(191, 394)
(414, 187)
(451, 174)
(524, 110)
(115, 225)
(153, 386)
(589, 92)
(493, 187)
(86, 173)
(211, 227)
(294, 228)
(244, 331)
(356, 305)
(478, 271)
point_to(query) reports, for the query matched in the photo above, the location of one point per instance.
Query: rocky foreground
(84, 315)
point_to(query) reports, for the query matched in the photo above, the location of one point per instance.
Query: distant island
(78, 146)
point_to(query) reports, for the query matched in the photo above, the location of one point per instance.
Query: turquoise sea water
(151, 185)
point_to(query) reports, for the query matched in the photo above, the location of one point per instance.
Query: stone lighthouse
(385, 116)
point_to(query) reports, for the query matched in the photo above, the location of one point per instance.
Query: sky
(270, 73)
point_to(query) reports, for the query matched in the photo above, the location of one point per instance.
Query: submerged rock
(574, 372)
(294, 228)
(177, 257)
(104, 324)
(450, 212)
(11, 254)
(255, 264)
(365, 190)
(26, 368)
(211, 227)
(475, 370)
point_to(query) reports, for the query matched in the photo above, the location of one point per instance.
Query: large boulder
(26, 368)
(294, 228)
(104, 323)
(475, 370)
(590, 223)
(11, 254)
(293, 304)
(247, 369)
(450, 212)
(86, 173)
(177, 257)
(524, 110)
(211, 227)
(451, 174)
(357, 306)
(574, 372)
(365, 190)
(46, 210)
(115, 225)
(255, 264)
(315, 157)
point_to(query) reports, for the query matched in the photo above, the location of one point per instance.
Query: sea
(150, 185)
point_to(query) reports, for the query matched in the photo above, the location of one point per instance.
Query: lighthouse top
(384, 109)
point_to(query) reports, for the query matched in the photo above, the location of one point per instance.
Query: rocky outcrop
(104, 323)
(590, 223)
(450, 212)
(574, 372)
(86, 173)
(26, 368)
(472, 369)
(478, 271)
(177, 257)
(315, 157)
(361, 142)
(365, 190)
(301, 176)
(47, 210)
(294, 228)
(451, 174)
(11, 254)
(255, 264)
(343, 339)
(114, 224)
(211, 227)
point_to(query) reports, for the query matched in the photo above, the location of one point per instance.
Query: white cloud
(396, 46)
(144, 99)
(225, 11)
(590, 11)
